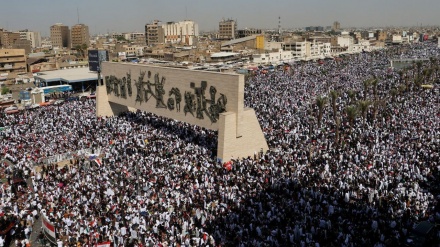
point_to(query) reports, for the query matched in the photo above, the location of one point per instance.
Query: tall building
(184, 32)
(9, 38)
(154, 33)
(336, 26)
(60, 35)
(227, 29)
(79, 35)
(381, 35)
(33, 37)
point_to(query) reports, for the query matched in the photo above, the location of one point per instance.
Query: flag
(103, 244)
(228, 165)
(48, 229)
(98, 161)
(93, 156)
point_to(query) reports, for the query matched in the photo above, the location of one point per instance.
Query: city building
(22, 44)
(336, 26)
(12, 61)
(185, 32)
(135, 38)
(79, 35)
(227, 29)
(274, 58)
(381, 35)
(305, 50)
(249, 42)
(154, 33)
(33, 37)
(60, 35)
(248, 32)
(9, 38)
(315, 29)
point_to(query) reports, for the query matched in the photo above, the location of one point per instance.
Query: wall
(195, 97)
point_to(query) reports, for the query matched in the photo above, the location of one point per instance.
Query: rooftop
(67, 75)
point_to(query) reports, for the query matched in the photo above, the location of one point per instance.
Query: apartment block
(80, 35)
(9, 38)
(154, 33)
(185, 32)
(227, 29)
(60, 35)
(33, 37)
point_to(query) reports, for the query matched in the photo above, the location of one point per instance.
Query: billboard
(96, 57)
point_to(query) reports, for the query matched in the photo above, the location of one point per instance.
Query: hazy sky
(131, 15)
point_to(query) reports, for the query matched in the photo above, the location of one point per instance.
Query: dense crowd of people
(327, 180)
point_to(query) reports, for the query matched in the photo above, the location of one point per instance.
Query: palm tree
(320, 103)
(374, 83)
(84, 48)
(419, 65)
(351, 95)
(363, 106)
(394, 92)
(334, 96)
(418, 81)
(338, 126)
(351, 112)
(378, 105)
(366, 84)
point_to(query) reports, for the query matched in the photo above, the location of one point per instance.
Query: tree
(351, 112)
(351, 95)
(363, 106)
(338, 126)
(377, 105)
(374, 83)
(5, 90)
(320, 103)
(366, 84)
(419, 65)
(334, 97)
(394, 92)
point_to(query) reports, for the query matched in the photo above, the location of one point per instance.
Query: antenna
(186, 13)
(77, 13)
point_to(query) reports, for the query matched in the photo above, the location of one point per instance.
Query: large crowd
(326, 181)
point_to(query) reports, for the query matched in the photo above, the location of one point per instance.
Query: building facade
(185, 32)
(80, 35)
(248, 32)
(272, 57)
(9, 38)
(227, 29)
(154, 33)
(33, 37)
(336, 26)
(60, 35)
(13, 61)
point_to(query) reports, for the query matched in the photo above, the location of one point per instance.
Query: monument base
(248, 141)
(105, 108)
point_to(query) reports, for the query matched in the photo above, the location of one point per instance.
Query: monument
(208, 99)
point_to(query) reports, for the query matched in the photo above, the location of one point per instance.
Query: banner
(48, 229)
